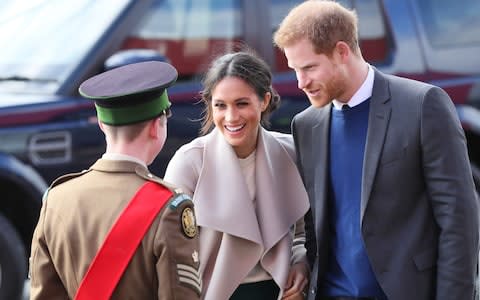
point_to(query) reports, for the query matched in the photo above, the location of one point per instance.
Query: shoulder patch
(189, 223)
(177, 200)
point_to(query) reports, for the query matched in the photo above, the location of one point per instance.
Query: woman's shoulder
(285, 140)
(184, 167)
(280, 136)
(196, 145)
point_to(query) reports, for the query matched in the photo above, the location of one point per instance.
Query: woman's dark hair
(246, 66)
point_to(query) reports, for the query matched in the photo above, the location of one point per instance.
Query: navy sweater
(349, 272)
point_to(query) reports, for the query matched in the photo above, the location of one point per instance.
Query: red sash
(121, 242)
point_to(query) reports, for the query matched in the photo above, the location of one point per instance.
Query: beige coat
(234, 235)
(77, 214)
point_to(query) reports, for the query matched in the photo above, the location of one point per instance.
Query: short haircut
(323, 23)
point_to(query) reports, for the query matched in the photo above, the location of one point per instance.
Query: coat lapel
(221, 196)
(378, 119)
(284, 202)
(280, 188)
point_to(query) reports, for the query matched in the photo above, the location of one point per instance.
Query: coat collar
(221, 197)
(116, 166)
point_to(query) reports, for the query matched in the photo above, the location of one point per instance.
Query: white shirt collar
(119, 156)
(362, 94)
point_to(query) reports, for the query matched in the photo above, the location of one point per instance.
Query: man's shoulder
(68, 177)
(64, 179)
(309, 115)
(177, 204)
(196, 145)
(401, 85)
(280, 136)
(146, 175)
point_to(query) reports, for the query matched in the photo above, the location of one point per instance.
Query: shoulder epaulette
(145, 174)
(62, 179)
(178, 195)
(67, 177)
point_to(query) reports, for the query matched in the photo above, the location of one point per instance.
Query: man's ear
(153, 127)
(342, 50)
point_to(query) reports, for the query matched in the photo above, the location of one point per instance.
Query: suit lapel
(319, 154)
(378, 119)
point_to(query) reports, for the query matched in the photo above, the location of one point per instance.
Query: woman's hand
(297, 282)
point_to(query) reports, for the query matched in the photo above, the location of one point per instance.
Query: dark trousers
(262, 290)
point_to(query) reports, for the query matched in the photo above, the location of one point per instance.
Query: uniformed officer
(85, 224)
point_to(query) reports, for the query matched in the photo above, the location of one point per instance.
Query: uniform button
(150, 175)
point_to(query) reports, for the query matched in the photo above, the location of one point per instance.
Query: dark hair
(246, 66)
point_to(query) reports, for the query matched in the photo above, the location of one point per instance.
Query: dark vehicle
(50, 47)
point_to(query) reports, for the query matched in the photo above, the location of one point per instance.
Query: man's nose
(302, 80)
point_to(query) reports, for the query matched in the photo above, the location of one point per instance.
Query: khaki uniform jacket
(235, 234)
(78, 212)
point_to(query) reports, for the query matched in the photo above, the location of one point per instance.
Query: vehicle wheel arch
(22, 189)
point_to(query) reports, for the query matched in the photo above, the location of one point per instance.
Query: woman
(249, 198)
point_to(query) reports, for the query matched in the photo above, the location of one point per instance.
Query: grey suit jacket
(419, 209)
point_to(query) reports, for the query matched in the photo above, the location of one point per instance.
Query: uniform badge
(195, 256)
(189, 224)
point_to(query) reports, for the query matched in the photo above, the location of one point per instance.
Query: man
(80, 210)
(394, 213)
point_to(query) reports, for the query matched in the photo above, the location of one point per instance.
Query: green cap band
(133, 114)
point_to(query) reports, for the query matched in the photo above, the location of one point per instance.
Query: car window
(45, 39)
(189, 32)
(372, 31)
(448, 23)
(449, 34)
(279, 9)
